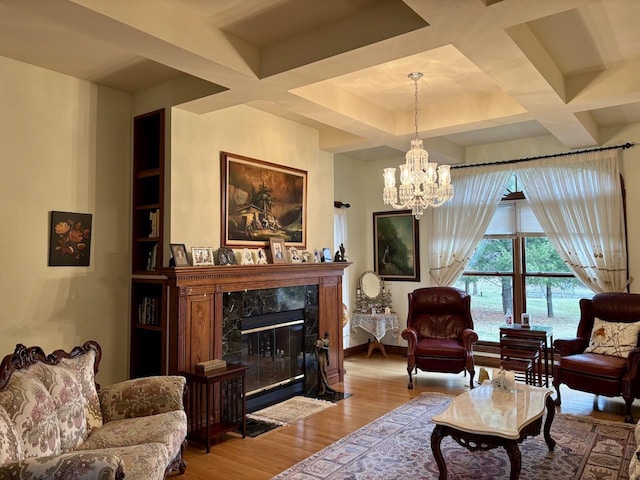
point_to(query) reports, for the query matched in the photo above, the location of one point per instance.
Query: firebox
(273, 348)
(273, 332)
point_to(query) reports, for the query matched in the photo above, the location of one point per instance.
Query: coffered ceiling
(494, 70)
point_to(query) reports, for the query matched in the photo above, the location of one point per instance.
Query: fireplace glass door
(275, 355)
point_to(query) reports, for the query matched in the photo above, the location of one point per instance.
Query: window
(516, 269)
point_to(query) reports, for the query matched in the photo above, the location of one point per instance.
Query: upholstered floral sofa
(56, 422)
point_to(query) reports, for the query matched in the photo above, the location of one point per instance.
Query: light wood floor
(377, 385)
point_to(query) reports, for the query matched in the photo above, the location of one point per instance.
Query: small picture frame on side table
(202, 255)
(278, 250)
(525, 320)
(179, 254)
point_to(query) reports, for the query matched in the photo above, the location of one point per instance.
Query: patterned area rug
(290, 411)
(398, 446)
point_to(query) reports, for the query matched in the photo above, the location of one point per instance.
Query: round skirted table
(378, 324)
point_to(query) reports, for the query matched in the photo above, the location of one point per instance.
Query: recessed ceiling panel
(618, 115)
(300, 32)
(500, 133)
(447, 74)
(591, 38)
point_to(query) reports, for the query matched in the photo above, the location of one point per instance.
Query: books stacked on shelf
(151, 261)
(153, 223)
(211, 366)
(149, 311)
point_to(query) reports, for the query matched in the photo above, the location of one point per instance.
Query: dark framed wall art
(261, 200)
(69, 239)
(396, 246)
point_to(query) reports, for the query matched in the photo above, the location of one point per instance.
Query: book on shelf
(151, 260)
(211, 366)
(148, 311)
(153, 223)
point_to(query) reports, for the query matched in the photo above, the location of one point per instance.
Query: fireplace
(273, 331)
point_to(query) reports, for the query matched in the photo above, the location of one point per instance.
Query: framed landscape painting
(395, 246)
(261, 200)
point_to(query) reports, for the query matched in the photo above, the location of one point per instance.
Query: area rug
(398, 446)
(290, 411)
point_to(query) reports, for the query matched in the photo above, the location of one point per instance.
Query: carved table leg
(551, 411)
(516, 459)
(436, 438)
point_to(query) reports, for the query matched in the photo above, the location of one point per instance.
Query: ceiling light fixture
(419, 178)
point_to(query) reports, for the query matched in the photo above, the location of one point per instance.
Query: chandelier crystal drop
(423, 184)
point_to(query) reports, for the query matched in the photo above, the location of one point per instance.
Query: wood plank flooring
(377, 385)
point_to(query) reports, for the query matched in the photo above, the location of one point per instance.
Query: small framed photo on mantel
(278, 251)
(202, 256)
(179, 254)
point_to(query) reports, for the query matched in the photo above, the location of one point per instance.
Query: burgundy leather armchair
(440, 332)
(597, 373)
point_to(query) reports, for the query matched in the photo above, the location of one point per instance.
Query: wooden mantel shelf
(232, 278)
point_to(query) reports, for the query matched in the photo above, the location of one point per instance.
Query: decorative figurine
(322, 354)
(340, 257)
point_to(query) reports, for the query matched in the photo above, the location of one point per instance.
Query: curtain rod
(528, 159)
(338, 204)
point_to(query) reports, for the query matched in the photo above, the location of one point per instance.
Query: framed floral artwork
(395, 246)
(70, 239)
(261, 200)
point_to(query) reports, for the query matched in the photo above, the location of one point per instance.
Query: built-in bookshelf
(148, 192)
(148, 285)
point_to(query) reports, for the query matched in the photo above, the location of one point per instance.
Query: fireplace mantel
(195, 306)
(233, 278)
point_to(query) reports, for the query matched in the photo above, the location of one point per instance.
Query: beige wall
(65, 146)
(360, 183)
(197, 141)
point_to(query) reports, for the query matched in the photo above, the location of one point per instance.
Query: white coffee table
(484, 418)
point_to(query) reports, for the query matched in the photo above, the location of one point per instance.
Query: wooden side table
(536, 336)
(216, 403)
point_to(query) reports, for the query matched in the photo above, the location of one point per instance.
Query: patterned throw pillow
(10, 442)
(81, 367)
(613, 338)
(69, 403)
(28, 403)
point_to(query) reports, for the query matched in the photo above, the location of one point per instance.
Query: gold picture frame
(261, 200)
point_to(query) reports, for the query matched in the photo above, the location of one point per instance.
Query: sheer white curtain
(456, 228)
(587, 225)
(340, 236)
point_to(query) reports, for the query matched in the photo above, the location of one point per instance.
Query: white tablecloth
(377, 324)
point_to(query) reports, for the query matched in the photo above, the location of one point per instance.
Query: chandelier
(423, 184)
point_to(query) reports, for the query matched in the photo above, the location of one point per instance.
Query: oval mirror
(371, 285)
